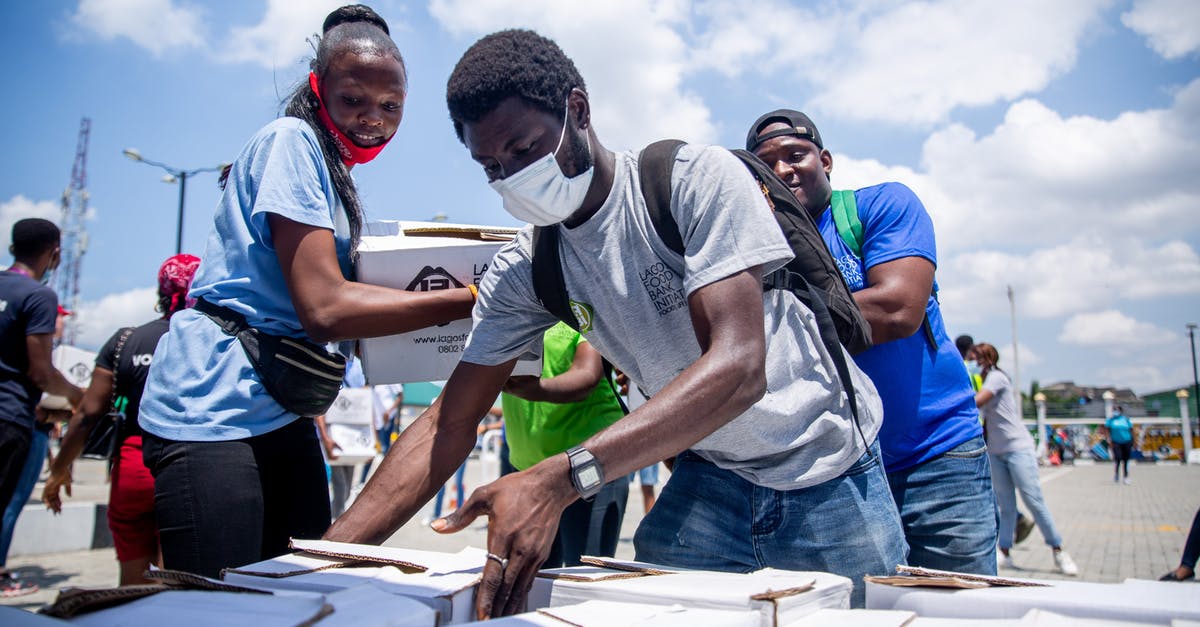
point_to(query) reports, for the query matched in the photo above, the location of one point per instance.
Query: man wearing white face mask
(770, 470)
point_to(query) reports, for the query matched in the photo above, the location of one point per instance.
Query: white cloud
(156, 25)
(19, 207)
(898, 61)
(280, 38)
(1112, 329)
(1170, 26)
(630, 53)
(1084, 274)
(97, 320)
(1040, 178)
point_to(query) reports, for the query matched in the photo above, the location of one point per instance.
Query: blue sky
(1056, 145)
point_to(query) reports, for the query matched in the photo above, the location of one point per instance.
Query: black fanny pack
(301, 376)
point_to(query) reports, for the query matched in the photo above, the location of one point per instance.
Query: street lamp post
(1191, 327)
(173, 174)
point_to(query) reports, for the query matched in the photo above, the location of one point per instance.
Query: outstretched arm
(587, 368)
(332, 308)
(423, 457)
(42, 372)
(726, 380)
(94, 404)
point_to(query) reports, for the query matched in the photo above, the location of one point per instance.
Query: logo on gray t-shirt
(663, 287)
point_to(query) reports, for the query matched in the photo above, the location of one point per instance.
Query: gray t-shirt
(1001, 419)
(631, 290)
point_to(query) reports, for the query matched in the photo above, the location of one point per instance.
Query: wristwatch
(586, 474)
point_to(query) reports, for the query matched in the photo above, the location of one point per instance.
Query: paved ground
(1113, 531)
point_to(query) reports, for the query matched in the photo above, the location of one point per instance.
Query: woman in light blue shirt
(1120, 443)
(236, 474)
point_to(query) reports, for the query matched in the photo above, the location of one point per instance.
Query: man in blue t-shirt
(932, 443)
(28, 312)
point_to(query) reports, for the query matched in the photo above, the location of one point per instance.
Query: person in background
(966, 345)
(1186, 571)
(39, 451)
(122, 366)
(1014, 467)
(646, 477)
(341, 476)
(1120, 443)
(236, 474)
(546, 415)
(932, 443)
(28, 322)
(387, 401)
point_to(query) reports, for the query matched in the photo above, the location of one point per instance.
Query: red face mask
(351, 152)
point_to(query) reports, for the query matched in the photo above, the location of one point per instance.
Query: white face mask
(974, 368)
(540, 193)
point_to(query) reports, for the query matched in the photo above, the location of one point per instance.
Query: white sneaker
(1004, 561)
(1065, 564)
(1128, 481)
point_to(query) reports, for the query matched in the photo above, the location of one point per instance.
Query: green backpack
(849, 227)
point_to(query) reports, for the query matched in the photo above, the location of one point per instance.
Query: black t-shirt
(26, 308)
(131, 373)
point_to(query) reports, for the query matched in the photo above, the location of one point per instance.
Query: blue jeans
(948, 510)
(712, 519)
(1013, 472)
(38, 446)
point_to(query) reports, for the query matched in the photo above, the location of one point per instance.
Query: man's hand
(50, 495)
(523, 511)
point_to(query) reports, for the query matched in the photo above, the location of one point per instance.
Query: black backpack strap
(795, 283)
(654, 174)
(549, 285)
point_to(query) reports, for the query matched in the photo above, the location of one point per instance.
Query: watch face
(588, 477)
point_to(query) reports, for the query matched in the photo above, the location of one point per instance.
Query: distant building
(1084, 401)
(1166, 404)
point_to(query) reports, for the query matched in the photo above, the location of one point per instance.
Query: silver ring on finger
(502, 561)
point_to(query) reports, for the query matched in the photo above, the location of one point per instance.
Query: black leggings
(1191, 548)
(590, 527)
(1121, 452)
(228, 504)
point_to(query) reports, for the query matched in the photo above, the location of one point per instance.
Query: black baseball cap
(801, 126)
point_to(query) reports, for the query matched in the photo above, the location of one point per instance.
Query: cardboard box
(349, 424)
(856, 618)
(425, 256)
(1134, 600)
(76, 365)
(605, 613)
(444, 582)
(777, 597)
(360, 606)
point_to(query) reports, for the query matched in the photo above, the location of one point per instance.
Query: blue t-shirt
(928, 403)
(202, 387)
(1120, 429)
(26, 308)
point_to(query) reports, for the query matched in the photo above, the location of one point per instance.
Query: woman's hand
(50, 495)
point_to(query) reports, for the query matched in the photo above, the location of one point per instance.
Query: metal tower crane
(74, 234)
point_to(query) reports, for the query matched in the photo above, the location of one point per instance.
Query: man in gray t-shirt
(771, 470)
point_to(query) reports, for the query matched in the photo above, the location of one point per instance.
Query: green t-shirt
(537, 430)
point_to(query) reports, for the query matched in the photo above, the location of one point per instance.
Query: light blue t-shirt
(928, 402)
(202, 387)
(1120, 429)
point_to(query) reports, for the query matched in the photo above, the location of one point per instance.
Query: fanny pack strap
(230, 321)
